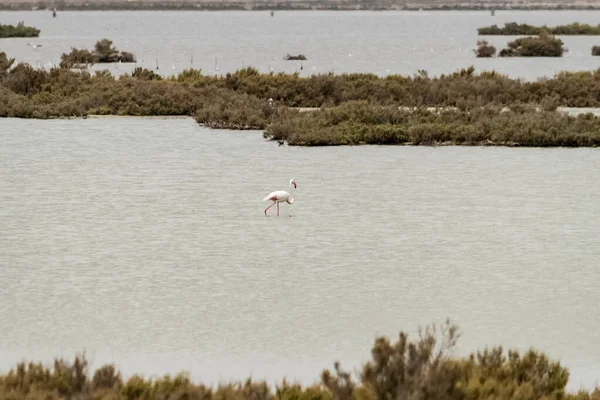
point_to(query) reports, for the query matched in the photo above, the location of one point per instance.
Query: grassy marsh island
(355, 123)
(420, 369)
(514, 29)
(544, 45)
(290, 57)
(19, 31)
(104, 52)
(460, 108)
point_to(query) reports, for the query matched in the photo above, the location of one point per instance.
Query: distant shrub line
(283, 5)
(248, 99)
(513, 28)
(290, 57)
(420, 369)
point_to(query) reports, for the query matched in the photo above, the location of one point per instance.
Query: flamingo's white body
(281, 196)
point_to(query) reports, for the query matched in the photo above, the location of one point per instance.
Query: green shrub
(542, 46)
(24, 79)
(145, 74)
(485, 50)
(107, 377)
(5, 64)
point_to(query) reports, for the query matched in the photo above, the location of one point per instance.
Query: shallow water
(143, 241)
(344, 41)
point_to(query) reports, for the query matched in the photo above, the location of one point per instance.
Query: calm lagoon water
(143, 242)
(375, 42)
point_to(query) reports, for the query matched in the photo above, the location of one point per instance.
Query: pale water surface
(399, 42)
(143, 242)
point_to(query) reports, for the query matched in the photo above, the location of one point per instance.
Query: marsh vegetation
(422, 368)
(513, 28)
(484, 49)
(485, 109)
(104, 52)
(19, 31)
(544, 45)
(290, 57)
(361, 123)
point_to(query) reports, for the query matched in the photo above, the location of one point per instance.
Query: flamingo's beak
(295, 187)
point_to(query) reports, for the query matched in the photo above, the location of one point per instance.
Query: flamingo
(280, 196)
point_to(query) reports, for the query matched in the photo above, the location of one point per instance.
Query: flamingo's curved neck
(291, 197)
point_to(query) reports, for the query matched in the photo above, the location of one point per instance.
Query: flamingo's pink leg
(269, 207)
(278, 209)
